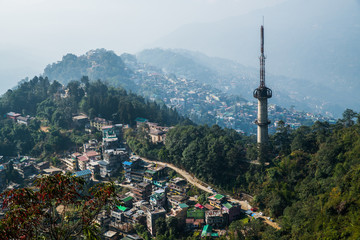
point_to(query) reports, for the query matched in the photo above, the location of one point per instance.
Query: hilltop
(199, 87)
(96, 64)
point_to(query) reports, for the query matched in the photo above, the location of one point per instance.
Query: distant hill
(231, 77)
(313, 40)
(235, 78)
(96, 64)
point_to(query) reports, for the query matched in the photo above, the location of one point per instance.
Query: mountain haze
(237, 79)
(314, 40)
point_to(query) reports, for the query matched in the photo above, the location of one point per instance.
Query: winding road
(205, 187)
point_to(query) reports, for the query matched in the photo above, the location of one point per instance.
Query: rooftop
(83, 158)
(127, 163)
(107, 127)
(207, 229)
(82, 173)
(127, 199)
(141, 120)
(183, 205)
(228, 205)
(122, 208)
(92, 154)
(110, 234)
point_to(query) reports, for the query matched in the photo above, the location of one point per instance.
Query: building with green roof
(206, 231)
(122, 208)
(127, 201)
(227, 205)
(183, 205)
(217, 200)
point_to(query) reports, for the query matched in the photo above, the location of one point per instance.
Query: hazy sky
(35, 33)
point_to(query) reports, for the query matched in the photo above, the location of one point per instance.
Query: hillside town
(205, 104)
(148, 191)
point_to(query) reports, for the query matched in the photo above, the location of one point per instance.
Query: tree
(348, 116)
(59, 208)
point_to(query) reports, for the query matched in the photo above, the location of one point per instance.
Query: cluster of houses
(99, 159)
(157, 133)
(152, 194)
(17, 117)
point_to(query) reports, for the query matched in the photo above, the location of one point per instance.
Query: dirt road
(203, 186)
(191, 179)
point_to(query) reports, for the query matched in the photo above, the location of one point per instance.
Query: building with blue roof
(86, 174)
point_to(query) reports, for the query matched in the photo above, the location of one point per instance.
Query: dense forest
(310, 182)
(52, 105)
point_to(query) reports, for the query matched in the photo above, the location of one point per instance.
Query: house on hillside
(217, 200)
(85, 174)
(13, 115)
(23, 120)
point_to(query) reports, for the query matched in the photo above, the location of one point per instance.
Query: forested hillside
(53, 105)
(96, 64)
(311, 184)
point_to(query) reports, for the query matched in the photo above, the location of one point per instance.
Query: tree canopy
(60, 207)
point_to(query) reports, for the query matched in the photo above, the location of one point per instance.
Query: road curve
(203, 186)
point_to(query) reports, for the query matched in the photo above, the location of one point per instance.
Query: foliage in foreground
(60, 207)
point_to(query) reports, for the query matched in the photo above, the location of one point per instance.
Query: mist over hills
(235, 78)
(313, 40)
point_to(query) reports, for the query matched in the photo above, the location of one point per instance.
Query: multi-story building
(142, 191)
(153, 174)
(158, 199)
(82, 161)
(134, 171)
(233, 211)
(105, 170)
(86, 174)
(98, 123)
(216, 218)
(217, 200)
(151, 218)
(70, 163)
(178, 186)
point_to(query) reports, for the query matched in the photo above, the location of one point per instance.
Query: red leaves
(30, 211)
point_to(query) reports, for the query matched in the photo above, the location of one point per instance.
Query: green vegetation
(53, 106)
(61, 207)
(310, 184)
(97, 64)
(309, 180)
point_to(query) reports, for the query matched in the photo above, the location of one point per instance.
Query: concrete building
(85, 174)
(151, 218)
(216, 218)
(233, 211)
(23, 120)
(142, 191)
(217, 200)
(98, 123)
(158, 199)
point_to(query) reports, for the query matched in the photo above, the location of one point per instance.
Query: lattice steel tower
(262, 93)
